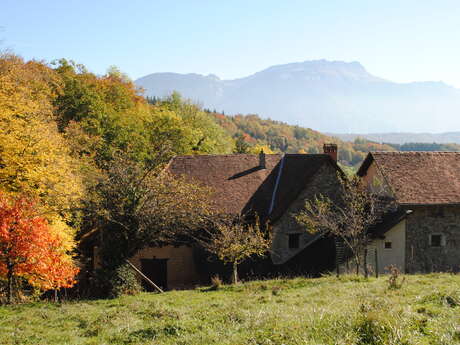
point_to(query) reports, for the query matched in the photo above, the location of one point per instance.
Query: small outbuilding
(424, 234)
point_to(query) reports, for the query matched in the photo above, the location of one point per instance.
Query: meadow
(327, 310)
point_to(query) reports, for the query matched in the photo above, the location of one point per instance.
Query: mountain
(403, 137)
(330, 96)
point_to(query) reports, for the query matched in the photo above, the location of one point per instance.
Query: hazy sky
(403, 40)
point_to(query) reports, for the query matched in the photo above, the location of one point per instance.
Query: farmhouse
(272, 186)
(424, 235)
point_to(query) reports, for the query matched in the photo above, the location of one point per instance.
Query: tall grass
(348, 310)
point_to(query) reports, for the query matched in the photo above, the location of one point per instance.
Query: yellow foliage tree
(34, 157)
(258, 148)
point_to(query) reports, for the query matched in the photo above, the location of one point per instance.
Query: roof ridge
(227, 155)
(306, 155)
(413, 152)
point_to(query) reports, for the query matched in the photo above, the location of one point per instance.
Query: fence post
(376, 263)
(366, 273)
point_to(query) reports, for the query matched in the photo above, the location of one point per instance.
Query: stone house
(424, 234)
(274, 186)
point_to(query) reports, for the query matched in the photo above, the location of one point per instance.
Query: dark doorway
(157, 271)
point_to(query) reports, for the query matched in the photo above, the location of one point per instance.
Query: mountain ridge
(330, 96)
(402, 137)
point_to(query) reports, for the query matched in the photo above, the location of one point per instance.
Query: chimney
(331, 150)
(262, 159)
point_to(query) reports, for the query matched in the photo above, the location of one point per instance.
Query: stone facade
(324, 182)
(422, 224)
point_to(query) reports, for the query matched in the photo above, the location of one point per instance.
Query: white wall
(395, 255)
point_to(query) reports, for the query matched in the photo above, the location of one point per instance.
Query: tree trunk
(366, 273)
(235, 273)
(376, 263)
(357, 264)
(9, 291)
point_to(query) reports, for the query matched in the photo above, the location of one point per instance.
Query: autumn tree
(35, 159)
(30, 250)
(208, 136)
(108, 107)
(350, 217)
(256, 149)
(145, 205)
(241, 146)
(281, 137)
(233, 239)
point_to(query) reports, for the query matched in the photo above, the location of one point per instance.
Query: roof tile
(421, 177)
(241, 186)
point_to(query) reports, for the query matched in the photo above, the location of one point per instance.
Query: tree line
(276, 136)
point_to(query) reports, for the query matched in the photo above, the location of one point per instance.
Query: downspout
(278, 179)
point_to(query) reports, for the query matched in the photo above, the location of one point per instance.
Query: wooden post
(144, 276)
(376, 263)
(366, 273)
(339, 254)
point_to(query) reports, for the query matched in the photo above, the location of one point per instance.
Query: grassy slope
(425, 310)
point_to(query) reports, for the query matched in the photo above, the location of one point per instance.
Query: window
(436, 240)
(387, 245)
(294, 240)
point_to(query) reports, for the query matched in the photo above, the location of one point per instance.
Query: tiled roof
(241, 186)
(421, 178)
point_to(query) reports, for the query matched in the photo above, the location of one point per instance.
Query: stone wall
(324, 182)
(421, 224)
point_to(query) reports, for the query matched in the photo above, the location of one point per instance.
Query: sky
(401, 40)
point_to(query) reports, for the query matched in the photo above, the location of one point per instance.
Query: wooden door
(157, 271)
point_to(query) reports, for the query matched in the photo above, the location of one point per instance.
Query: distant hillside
(403, 138)
(330, 96)
(281, 137)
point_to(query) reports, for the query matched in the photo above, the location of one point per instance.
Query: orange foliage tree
(29, 249)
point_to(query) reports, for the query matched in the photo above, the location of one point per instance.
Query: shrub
(371, 331)
(124, 282)
(216, 283)
(393, 280)
(276, 290)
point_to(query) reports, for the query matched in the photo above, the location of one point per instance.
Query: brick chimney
(262, 160)
(331, 150)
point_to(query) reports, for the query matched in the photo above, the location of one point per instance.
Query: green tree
(209, 137)
(241, 146)
(233, 239)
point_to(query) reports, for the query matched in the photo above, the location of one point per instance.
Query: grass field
(351, 310)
